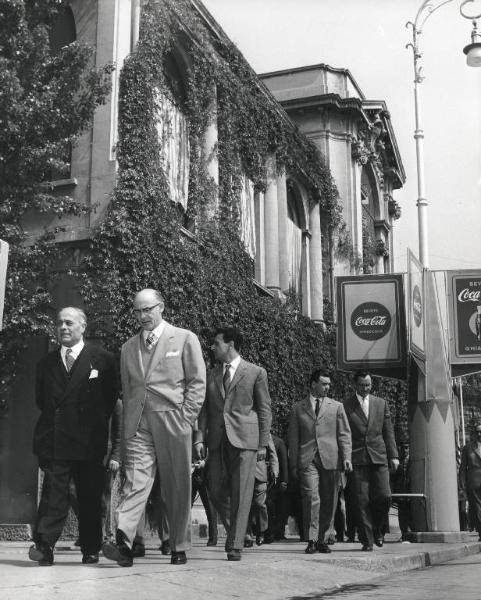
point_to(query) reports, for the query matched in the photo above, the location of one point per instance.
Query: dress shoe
(41, 553)
(259, 540)
(234, 555)
(165, 548)
(379, 542)
(331, 540)
(323, 548)
(311, 547)
(268, 538)
(138, 550)
(178, 558)
(366, 548)
(118, 551)
(212, 541)
(248, 543)
(90, 559)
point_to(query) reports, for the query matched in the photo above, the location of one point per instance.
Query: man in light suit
(76, 390)
(470, 476)
(319, 442)
(163, 386)
(374, 452)
(235, 421)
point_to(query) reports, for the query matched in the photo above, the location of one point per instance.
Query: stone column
(271, 227)
(260, 266)
(210, 157)
(306, 274)
(315, 255)
(135, 24)
(282, 216)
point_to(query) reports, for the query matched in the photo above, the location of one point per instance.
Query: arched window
(295, 226)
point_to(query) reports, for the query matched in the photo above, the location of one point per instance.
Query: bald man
(76, 391)
(163, 388)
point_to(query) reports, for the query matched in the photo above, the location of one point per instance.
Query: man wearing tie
(374, 451)
(163, 387)
(76, 391)
(235, 421)
(319, 442)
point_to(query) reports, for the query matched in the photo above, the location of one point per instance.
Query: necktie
(318, 406)
(226, 378)
(365, 407)
(150, 341)
(69, 359)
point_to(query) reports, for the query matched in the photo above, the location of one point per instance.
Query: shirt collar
(76, 349)
(234, 363)
(361, 399)
(157, 331)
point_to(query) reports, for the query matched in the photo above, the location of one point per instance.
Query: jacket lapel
(238, 375)
(324, 405)
(80, 372)
(161, 347)
(307, 406)
(358, 410)
(218, 380)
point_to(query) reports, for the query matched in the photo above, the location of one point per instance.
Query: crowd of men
(174, 415)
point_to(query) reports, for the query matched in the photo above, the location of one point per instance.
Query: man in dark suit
(470, 476)
(319, 441)
(235, 421)
(374, 452)
(76, 390)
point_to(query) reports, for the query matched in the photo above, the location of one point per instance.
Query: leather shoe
(119, 551)
(212, 542)
(41, 553)
(248, 543)
(178, 558)
(90, 559)
(379, 542)
(311, 547)
(165, 548)
(259, 540)
(323, 548)
(138, 550)
(366, 548)
(234, 555)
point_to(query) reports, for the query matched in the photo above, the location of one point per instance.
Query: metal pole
(461, 406)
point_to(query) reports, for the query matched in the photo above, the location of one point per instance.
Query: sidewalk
(278, 571)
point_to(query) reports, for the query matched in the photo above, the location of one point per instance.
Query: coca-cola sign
(466, 316)
(370, 321)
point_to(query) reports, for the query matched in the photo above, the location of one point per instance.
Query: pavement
(278, 571)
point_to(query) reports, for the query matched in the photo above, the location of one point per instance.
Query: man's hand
(261, 453)
(393, 464)
(199, 452)
(347, 466)
(114, 465)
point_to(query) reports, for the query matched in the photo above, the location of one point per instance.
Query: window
(294, 242)
(247, 216)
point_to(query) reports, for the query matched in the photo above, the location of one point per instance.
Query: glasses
(147, 310)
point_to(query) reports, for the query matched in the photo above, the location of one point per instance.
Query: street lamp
(473, 58)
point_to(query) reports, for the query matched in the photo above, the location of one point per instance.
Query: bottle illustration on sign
(477, 323)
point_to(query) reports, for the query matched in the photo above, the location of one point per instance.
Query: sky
(369, 38)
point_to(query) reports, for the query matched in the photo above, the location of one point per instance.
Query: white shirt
(364, 403)
(76, 350)
(313, 403)
(233, 367)
(157, 332)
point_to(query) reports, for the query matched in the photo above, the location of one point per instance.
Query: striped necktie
(69, 359)
(226, 378)
(150, 341)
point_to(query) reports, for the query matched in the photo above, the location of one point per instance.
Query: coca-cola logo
(417, 306)
(468, 295)
(371, 321)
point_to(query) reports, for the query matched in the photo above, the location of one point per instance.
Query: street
(458, 578)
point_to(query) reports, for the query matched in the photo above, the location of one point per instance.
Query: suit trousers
(319, 492)
(474, 498)
(231, 475)
(88, 477)
(163, 442)
(371, 500)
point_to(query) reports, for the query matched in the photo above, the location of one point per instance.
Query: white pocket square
(173, 353)
(93, 374)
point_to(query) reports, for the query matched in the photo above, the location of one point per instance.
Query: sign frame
(456, 329)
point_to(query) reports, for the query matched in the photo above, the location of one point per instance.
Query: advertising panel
(371, 323)
(464, 301)
(416, 307)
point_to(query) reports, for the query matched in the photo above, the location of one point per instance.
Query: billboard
(416, 307)
(371, 324)
(464, 303)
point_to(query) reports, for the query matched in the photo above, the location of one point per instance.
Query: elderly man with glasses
(470, 476)
(163, 387)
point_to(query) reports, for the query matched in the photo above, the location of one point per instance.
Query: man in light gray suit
(319, 441)
(235, 421)
(163, 384)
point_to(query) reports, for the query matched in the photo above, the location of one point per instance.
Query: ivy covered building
(239, 196)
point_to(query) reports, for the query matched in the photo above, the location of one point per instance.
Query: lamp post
(473, 57)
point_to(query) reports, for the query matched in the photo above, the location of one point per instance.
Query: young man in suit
(235, 421)
(319, 442)
(470, 476)
(163, 388)
(374, 452)
(76, 391)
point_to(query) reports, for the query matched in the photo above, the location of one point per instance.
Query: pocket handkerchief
(173, 353)
(93, 374)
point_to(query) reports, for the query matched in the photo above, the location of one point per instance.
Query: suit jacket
(173, 380)
(75, 407)
(372, 440)
(470, 468)
(244, 413)
(328, 433)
